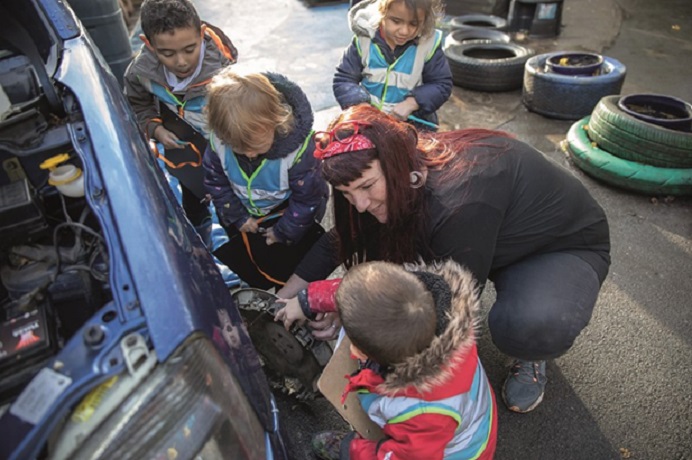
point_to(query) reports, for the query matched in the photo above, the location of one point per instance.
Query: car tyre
(633, 139)
(465, 34)
(487, 66)
(568, 97)
(622, 173)
(482, 21)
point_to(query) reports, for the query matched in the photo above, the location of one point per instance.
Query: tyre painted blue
(568, 97)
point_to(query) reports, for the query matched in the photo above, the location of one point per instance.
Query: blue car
(119, 338)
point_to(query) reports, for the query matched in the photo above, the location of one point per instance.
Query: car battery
(27, 340)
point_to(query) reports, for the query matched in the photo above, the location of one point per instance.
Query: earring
(416, 178)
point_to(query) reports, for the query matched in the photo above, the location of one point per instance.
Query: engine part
(295, 353)
(20, 212)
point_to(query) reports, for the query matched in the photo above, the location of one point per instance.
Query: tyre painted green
(633, 139)
(622, 173)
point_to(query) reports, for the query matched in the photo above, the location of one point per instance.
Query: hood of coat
(302, 113)
(434, 366)
(147, 65)
(364, 18)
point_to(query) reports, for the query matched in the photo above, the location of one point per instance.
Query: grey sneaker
(525, 384)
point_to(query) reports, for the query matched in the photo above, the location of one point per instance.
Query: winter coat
(287, 173)
(352, 83)
(439, 403)
(146, 87)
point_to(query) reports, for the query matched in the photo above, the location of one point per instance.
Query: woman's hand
(290, 313)
(326, 326)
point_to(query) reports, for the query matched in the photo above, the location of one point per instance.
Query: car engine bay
(53, 257)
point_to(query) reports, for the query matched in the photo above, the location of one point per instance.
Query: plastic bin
(538, 18)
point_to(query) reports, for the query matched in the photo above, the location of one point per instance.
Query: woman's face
(368, 193)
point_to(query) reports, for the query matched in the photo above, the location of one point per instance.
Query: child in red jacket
(420, 379)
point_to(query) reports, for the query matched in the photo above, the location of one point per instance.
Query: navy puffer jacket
(309, 191)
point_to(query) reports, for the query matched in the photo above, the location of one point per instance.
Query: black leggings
(278, 260)
(543, 303)
(195, 210)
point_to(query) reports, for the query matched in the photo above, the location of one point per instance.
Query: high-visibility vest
(268, 186)
(389, 84)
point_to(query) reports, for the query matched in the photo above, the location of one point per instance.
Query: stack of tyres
(629, 152)
(563, 96)
(482, 57)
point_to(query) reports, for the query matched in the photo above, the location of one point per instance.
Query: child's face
(261, 143)
(400, 24)
(178, 50)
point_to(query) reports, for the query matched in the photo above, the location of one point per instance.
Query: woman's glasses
(344, 137)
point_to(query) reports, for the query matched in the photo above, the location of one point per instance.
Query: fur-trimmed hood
(434, 366)
(302, 113)
(364, 18)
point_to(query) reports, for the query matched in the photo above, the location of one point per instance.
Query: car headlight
(190, 406)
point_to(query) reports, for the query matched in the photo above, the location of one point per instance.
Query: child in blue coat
(395, 61)
(262, 176)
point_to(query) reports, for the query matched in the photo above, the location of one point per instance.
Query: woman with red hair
(482, 198)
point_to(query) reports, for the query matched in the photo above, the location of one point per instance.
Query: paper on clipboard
(332, 384)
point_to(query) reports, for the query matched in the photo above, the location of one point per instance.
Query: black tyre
(568, 97)
(465, 34)
(623, 173)
(488, 66)
(633, 139)
(483, 21)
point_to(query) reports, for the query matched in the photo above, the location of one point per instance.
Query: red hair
(400, 150)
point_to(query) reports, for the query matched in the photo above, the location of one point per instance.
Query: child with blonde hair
(261, 174)
(412, 329)
(395, 60)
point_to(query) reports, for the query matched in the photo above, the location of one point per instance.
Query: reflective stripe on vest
(473, 411)
(190, 110)
(268, 186)
(389, 84)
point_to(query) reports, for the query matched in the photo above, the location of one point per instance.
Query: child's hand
(167, 138)
(405, 108)
(250, 226)
(270, 236)
(290, 313)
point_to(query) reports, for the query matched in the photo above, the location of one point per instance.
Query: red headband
(351, 144)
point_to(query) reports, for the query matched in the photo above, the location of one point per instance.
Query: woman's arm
(293, 285)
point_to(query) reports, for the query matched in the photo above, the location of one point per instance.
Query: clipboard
(331, 384)
(190, 176)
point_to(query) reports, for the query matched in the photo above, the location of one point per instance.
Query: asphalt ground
(624, 389)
